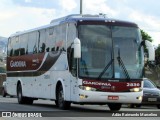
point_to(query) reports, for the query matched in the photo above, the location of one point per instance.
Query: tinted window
(96, 52)
(32, 43)
(42, 41)
(60, 32)
(23, 44)
(15, 44)
(50, 39)
(148, 84)
(71, 34)
(10, 48)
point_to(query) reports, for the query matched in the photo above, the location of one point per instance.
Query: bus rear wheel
(21, 98)
(4, 94)
(61, 103)
(114, 106)
(158, 106)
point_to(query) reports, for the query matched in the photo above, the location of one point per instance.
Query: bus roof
(76, 18)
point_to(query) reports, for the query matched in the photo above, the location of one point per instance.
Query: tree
(145, 36)
(157, 52)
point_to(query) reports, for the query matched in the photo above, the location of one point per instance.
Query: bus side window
(43, 47)
(23, 44)
(10, 49)
(32, 43)
(60, 42)
(70, 38)
(72, 62)
(11, 52)
(50, 39)
(42, 41)
(15, 44)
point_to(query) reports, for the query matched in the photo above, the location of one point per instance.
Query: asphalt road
(47, 108)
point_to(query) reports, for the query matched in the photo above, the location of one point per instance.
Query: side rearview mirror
(151, 50)
(77, 48)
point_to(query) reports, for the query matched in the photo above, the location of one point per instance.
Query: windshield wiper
(122, 64)
(106, 68)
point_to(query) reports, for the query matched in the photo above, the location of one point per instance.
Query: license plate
(152, 99)
(113, 97)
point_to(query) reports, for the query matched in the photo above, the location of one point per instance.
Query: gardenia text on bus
(17, 63)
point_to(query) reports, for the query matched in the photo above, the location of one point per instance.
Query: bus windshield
(110, 52)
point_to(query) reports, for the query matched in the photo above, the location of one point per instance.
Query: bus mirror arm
(77, 48)
(151, 50)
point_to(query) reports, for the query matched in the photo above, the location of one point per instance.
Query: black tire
(158, 106)
(61, 103)
(114, 106)
(21, 98)
(138, 105)
(135, 105)
(28, 100)
(4, 94)
(56, 102)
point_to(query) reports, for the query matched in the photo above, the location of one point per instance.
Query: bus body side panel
(42, 82)
(11, 85)
(60, 73)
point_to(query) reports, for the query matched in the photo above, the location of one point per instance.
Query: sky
(20, 15)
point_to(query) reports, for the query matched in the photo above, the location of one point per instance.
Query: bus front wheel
(114, 106)
(61, 103)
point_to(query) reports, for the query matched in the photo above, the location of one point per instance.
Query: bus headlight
(87, 88)
(136, 89)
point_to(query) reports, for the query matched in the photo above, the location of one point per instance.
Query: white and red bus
(81, 59)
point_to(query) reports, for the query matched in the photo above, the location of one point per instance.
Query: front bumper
(109, 97)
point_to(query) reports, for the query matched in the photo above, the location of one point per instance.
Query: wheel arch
(59, 82)
(19, 82)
